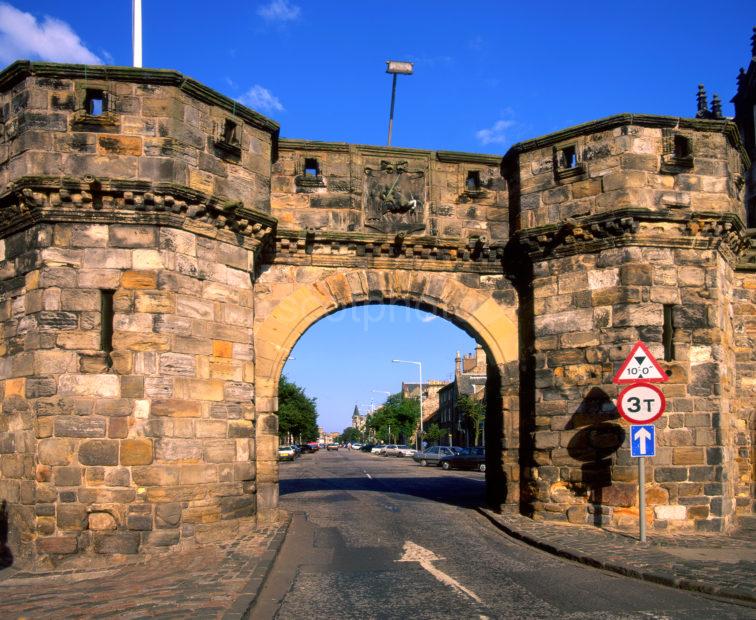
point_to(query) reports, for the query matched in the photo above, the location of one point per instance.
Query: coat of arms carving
(395, 198)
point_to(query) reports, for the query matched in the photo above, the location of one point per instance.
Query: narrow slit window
(668, 334)
(94, 102)
(311, 167)
(231, 133)
(569, 157)
(472, 184)
(106, 321)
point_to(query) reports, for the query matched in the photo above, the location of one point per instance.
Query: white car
(378, 449)
(404, 451)
(389, 449)
(356, 446)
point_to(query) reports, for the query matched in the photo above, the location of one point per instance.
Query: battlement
(127, 124)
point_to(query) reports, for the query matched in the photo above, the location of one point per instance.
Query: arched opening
(286, 308)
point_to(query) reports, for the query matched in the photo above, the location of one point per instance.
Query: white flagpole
(136, 31)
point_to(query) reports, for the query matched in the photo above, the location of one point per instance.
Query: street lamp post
(419, 365)
(396, 67)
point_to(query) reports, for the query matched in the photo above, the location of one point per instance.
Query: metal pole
(642, 498)
(419, 441)
(136, 31)
(391, 113)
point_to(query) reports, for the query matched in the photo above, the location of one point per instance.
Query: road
(376, 537)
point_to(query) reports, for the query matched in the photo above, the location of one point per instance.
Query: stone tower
(134, 205)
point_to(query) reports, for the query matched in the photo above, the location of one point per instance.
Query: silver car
(432, 455)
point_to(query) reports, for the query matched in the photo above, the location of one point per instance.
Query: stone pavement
(212, 581)
(722, 566)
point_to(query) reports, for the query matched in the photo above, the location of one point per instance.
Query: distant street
(380, 537)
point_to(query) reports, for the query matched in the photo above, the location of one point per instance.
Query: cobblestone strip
(213, 581)
(731, 578)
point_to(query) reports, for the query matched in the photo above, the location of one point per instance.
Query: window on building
(668, 332)
(106, 322)
(682, 147)
(472, 183)
(231, 133)
(311, 167)
(569, 157)
(94, 102)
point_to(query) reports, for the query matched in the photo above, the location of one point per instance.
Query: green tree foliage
(397, 413)
(350, 435)
(297, 413)
(434, 433)
(473, 413)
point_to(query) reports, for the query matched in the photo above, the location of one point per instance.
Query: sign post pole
(642, 498)
(641, 403)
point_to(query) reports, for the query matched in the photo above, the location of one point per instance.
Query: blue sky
(487, 74)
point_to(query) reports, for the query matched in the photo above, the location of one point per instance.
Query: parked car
(388, 449)
(404, 450)
(332, 446)
(378, 449)
(468, 458)
(432, 455)
(356, 446)
(286, 453)
(368, 447)
(309, 448)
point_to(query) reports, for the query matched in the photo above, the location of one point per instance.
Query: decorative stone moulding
(30, 200)
(634, 226)
(434, 253)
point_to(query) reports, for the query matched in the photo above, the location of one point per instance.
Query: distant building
(469, 380)
(358, 421)
(430, 395)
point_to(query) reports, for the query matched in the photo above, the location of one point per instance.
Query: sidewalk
(211, 581)
(722, 566)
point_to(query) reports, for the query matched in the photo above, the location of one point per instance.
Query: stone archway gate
(162, 251)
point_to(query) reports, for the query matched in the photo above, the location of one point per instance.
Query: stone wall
(154, 126)
(336, 198)
(744, 324)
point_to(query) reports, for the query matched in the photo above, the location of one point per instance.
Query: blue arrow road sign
(642, 440)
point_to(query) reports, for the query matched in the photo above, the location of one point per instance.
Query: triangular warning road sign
(640, 365)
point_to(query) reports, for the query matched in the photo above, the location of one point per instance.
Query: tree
(397, 417)
(472, 412)
(434, 433)
(350, 435)
(297, 413)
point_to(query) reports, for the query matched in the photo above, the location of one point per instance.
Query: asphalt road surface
(377, 537)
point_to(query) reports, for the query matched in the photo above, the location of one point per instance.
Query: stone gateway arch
(162, 250)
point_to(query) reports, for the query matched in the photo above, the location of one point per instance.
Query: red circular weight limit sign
(641, 403)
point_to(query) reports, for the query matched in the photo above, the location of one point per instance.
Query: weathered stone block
(71, 517)
(176, 408)
(168, 515)
(57, 545)
(79, 426)
(102, 521)
(136, 452)
(98, 452)
(118, 542)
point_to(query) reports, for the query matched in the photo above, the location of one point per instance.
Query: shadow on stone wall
(596, 440)
(6, 557)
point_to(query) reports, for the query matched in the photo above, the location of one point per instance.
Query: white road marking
(425, 557)
(368, 475)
